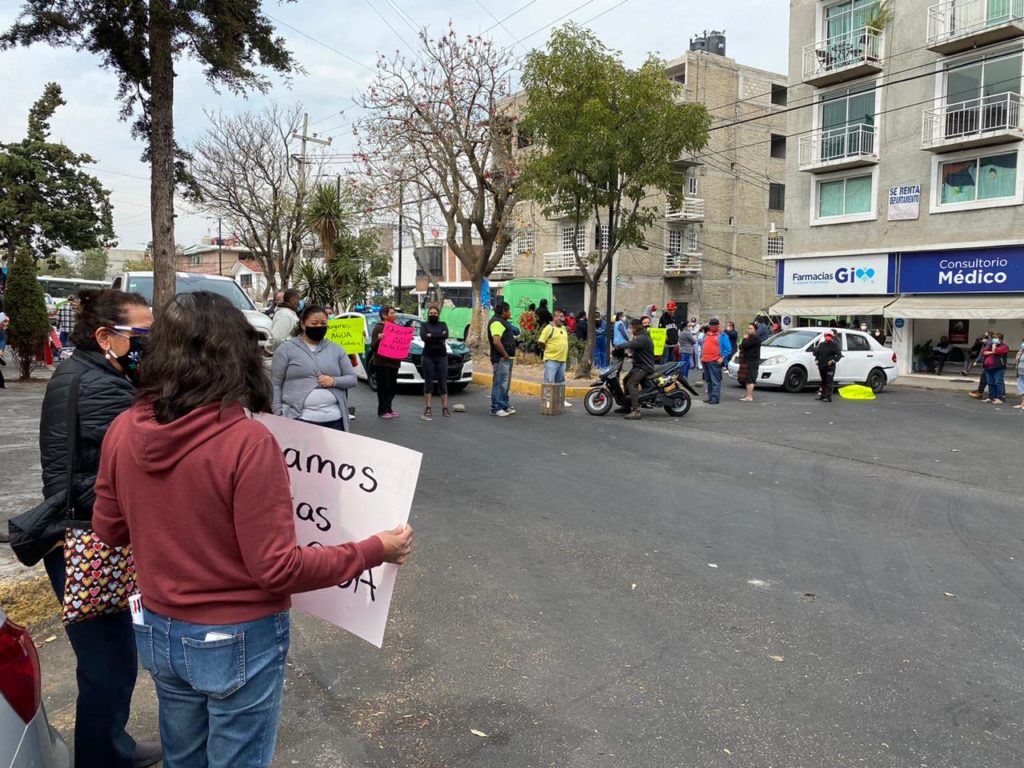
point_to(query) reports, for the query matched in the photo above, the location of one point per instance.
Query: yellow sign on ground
(658, 336)
(856, 392)
(348, 332)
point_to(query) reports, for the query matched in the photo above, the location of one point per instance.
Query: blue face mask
(302, 304)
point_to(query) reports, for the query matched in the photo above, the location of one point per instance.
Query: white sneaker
(511, 409)
(501, 413)
(568, 404)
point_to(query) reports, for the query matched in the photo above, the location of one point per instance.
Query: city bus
(61, 288)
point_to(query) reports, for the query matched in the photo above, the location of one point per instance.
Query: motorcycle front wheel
(598, 402)
(678, 404)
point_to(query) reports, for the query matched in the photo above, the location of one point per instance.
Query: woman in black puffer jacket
(108, 338)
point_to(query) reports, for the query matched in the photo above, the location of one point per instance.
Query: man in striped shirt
(66, 319)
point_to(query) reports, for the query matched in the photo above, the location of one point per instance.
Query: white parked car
(26, 738)
(787, 360)
(189, 282)
(460, 359)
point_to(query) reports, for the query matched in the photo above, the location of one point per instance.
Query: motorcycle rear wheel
(678, 404)
(598, 402)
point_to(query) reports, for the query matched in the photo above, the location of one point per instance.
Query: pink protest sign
(395, 341)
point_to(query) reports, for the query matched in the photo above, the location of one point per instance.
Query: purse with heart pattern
(99, 578)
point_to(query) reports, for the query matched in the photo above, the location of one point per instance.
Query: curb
(521, 387)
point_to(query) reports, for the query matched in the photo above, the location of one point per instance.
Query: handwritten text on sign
(395, 341)
(347, 487)
(348, 332)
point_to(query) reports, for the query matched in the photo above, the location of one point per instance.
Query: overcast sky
(756, 32)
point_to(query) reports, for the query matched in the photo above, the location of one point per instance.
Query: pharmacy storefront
(830, 290)
(959, 294)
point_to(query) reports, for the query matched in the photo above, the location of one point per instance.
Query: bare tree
(435, 122)
(244, 173)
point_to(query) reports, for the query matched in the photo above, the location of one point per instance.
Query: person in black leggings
(435, 361)
(385, 368)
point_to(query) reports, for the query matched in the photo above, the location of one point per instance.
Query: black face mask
(316, 332)
(131, 361)
(432, 318)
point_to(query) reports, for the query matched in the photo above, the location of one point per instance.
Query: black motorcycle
(663, 388)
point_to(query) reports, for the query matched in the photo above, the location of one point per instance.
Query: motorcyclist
(642, 348)
(827, 355)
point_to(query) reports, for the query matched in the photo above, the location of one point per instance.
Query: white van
(190, 282)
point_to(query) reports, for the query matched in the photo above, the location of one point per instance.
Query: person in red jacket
(994, 357)
(202, 493)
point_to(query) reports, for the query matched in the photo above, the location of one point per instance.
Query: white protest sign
(345, 488)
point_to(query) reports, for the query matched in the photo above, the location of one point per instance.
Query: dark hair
(637, 321)
(501, 308)
(433, 305)
(101, 308)
(543, 302)
(384, 310)
(291, 293)
(311, 309)
(532, 307)
(202, 350)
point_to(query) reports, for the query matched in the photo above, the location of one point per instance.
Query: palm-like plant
(325, 217)
(317, 284)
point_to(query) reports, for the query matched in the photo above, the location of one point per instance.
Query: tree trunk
(161, 150)
(585, 363)
(476, 339)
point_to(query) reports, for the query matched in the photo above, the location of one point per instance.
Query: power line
(502, 20)
(355, 61)
(388, 23)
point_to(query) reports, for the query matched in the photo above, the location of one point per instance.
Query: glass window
(776, 196)
(843, 197)
(791, 339)
(847, 123)
(570, 232)
(981, 178)
(855, 343)
(143, 284)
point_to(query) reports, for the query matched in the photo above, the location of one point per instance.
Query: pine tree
(30, 327)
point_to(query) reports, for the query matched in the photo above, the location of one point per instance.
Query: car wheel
(598, 402)
(876, 380)
(796, 379)
(371, 379)
(678, 405)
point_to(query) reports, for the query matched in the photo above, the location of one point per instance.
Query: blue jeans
(106, 668)
(686, 360)
(220, 700)
(500, 385)
(601, 353)
(996, 378)
(713, 378)
(554, 372)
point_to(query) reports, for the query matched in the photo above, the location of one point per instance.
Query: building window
(691, 185)
(848, 123)
(693, 240)
(844, 19)
(245, 280)
(524, 242)
(778, 146)
(843, 198)
(973, 179)
(983, 95)
(523, 138)
(779, 95)
(195, 260)
(776, 196)
(776, 245)
(432, 256)
(569, 232)
(601, 236)
(681, 242)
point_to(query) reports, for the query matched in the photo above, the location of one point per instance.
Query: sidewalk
(955, 383)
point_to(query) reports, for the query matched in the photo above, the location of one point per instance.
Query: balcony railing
(974, 123)
(558, 261)
(846, 146)
(504, 268)
(681, 263)
(692, 209)
(956, 25)
(849, 54)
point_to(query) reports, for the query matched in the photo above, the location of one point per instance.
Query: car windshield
(143, 284)
(791, 339)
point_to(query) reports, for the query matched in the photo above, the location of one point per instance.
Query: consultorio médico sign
(993, 270)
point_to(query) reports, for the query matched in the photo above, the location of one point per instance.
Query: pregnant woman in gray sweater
(311, 375)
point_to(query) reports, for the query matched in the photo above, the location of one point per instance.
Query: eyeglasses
(130, 329)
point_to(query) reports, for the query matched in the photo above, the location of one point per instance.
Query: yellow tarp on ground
(856, 392)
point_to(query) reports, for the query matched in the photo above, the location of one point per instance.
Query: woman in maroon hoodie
(202, 493)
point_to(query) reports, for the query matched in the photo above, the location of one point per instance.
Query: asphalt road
(788, 583)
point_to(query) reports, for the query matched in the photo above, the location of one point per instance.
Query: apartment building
(708, 253)
(905, 179)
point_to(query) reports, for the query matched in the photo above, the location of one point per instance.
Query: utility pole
(220, 248)
(304, 137)
(398, 288)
